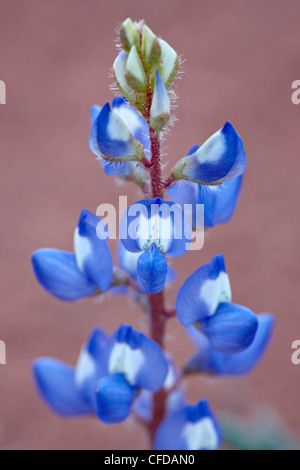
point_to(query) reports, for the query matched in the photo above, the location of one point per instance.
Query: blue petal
(92, 364)
(92, 253)
(120, 290)
(221, 158)
(138, 358)
(152, 270)
(55, 382)
(116, 169)
(113, 136)
(143, 405)
(192, 428)
(155, 221)
(110, 168)
(93, 143)
(135, 123)
(114, 398)
(220, 202)
(213, 362)
(175, 401)
(193, 150)
(128, 262)
(202, 292)
(184, 192)
(95, 111)
(231, 329)
(171, 275)
(58, 273)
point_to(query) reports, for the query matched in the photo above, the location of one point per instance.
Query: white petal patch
(236, 170)
(216, 291)
(117, 129)
(129, 260)
(213, 149)
(82, 248)
(171, 378)
(126, 361)
(93, 140)
(155, 229)
(201, 435)
(128, 116)
(85, 368)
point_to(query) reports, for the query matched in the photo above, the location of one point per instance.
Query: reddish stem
(169, 182)
(157, 328)
(156, 180)
(156, 301)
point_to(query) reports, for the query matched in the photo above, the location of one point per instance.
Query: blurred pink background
(241, 59)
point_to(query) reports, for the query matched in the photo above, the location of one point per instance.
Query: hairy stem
(156, 301)
(156, 180)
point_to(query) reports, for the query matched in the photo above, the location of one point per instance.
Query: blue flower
(128, 262)
(109, 375)
(70, 391)
(191, 428)
(69, 276)
(210, 361)
(221, 158)
(219, 201)
(135, 124)
(205, 300)
(154, 228)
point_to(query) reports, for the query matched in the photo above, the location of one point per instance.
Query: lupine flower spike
(129, 374)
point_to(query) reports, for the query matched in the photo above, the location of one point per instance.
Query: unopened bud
(135, 74)
(169, 63)
(129, 35)
(119, 70)
(151, 49)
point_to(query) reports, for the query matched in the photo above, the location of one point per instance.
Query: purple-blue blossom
(155, 228)
(130, 373)
(69, 276)
(205, 300)
(221, 158)
(191, 428)
(109, 374)
(210, 361)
